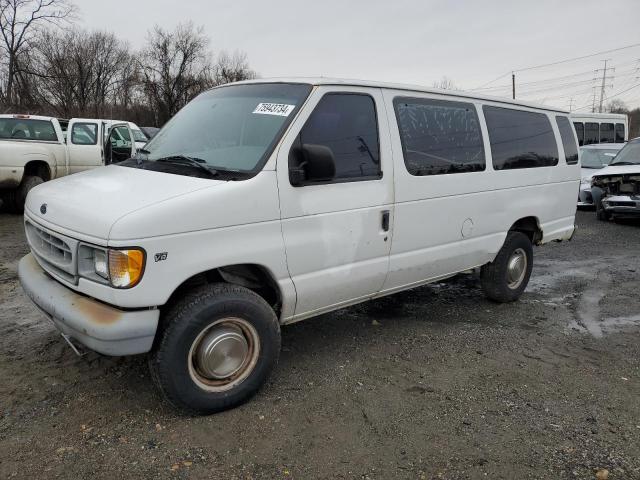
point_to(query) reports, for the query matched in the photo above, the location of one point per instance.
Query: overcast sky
(408, 41)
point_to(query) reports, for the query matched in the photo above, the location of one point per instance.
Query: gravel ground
(434, 383)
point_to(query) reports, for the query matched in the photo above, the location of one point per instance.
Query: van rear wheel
(504, 279)
(217, 346)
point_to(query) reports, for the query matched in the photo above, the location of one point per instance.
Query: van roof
(398, 86)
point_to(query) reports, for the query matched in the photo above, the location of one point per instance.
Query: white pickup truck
(35, 149)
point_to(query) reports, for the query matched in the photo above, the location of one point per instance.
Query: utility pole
(593, 104)
(513, 85)
(604, 77)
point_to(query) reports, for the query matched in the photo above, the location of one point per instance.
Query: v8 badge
(160, 256)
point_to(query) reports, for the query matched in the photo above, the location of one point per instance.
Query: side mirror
(316, 163)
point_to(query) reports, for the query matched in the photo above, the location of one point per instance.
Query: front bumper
(585, 198)
(100, 327)
(622, 205)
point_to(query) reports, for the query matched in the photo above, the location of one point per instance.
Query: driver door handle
(385, 220)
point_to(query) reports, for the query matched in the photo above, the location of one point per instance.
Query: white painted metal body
(323, 245)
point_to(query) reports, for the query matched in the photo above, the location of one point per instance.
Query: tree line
(50, 66)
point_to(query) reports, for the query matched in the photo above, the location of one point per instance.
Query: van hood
(91, 202)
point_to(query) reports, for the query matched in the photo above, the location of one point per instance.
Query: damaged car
(592, 159)
(616, 188)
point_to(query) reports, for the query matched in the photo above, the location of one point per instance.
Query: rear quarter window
(520, 139)
(568, 140)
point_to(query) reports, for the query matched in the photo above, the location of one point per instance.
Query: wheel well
(530, 227)
(38, 168)
(251, 276)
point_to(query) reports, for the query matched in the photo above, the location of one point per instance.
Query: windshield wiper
(623, 163)
(191, 161)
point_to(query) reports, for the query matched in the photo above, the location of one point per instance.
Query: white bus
(601, 127)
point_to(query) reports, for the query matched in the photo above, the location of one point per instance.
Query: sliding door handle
(385, 220)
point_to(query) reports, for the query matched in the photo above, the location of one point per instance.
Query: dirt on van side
(434, 383)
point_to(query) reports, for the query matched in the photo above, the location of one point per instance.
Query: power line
(578, 58)
(557, 63)
(614, 95)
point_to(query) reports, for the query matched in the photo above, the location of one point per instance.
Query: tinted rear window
(620, 132)
(606, 133)
(591, 133)
(579, 127)
(439, 136)
(520, 139)
(568, 140)
(27, 129)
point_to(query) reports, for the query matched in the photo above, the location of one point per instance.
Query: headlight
(120, 268)
(100, 263)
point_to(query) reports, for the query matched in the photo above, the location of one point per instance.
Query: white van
(601, 127)
(263, 203)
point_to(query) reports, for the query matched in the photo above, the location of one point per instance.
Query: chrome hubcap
(516, 268)
(223, 354)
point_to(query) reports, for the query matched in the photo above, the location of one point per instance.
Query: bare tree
(175, 66)
(19, 22)
(445, 83)
(232, 68)
(616, 106)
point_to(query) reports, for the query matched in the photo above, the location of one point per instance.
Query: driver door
(119, 145)
(338, 233)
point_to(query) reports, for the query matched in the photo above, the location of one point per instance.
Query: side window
(84, 134)
(568, 140)
(520, 139)
(347, 124)
(620, 132)
(591, 133)
(439, 136)
(606, 133)
(579, 126)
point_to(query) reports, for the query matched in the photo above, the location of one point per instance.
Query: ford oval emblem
(43, 208)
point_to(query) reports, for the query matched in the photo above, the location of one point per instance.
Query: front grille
(55, 252)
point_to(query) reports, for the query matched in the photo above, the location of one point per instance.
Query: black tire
(170, 361)
(20, 195)
(494, 276)
(601, 213)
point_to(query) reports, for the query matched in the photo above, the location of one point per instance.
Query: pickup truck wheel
(215, 349)
(20, 195)
(504, 279)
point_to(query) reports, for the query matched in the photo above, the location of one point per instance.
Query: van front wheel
(504, 279)
(217, 346)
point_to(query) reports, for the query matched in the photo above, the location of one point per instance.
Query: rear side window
(84, 134)
(591, 133)
(606, 133)
(520, 139)
(579, 127)
(439, 136)
(568, 140)
(620, 132)
(347, 124)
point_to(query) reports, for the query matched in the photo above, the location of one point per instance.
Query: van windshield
(629, 155)
(230, 128)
